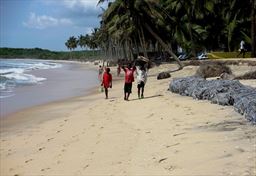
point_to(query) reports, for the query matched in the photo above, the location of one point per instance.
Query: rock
(163, 75)
(212, 70)
(222, 92)
(249, 75)
(227, 76)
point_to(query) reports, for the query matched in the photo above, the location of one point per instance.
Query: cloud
(44, 21)
(82, 8)
(80, 3)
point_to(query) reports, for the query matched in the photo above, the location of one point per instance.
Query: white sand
(163, 134)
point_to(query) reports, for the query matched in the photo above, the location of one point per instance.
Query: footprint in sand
(49, 139)
(170, 168)
(10, 152)
(75, 136)
(86, 166)
(27, 161)
(239, 149)
(41, 148)
(167, 146)
(63, 150)
(150, 115)
(190, 113)
(178, 134)
(161, 160)
(177, 105)
(226, 155)
(44, 169)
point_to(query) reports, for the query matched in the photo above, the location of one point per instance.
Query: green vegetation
(38, 53)
(220, 55)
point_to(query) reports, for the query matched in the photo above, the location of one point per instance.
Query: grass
(221, 55)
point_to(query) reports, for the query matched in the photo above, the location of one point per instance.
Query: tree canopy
(141, 27)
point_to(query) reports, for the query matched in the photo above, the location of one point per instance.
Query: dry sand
(162, 134)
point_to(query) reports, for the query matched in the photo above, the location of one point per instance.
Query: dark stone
(163, 75)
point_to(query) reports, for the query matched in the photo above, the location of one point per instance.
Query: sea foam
(15, 72)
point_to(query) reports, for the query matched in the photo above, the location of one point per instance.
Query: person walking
(141, 80)
(107, 81)
(242, 49)
(129, 79)
(100, 73)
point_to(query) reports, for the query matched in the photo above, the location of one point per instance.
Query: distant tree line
(132, 27)
(38, 53)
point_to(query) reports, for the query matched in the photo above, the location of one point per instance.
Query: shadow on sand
(153, 96)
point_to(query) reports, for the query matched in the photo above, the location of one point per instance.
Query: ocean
(14, 73)
(26, 83)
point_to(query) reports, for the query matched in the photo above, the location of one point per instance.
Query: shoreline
(162, 134)
(19, 118)
(61, 83)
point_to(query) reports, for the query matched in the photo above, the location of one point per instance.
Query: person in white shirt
(242, 49)
(141, 72)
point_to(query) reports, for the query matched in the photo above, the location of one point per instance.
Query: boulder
(163, 75)
(212, 70)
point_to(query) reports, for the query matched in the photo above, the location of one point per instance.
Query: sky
(46, 24)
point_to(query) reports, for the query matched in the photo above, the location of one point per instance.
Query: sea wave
(14, 73)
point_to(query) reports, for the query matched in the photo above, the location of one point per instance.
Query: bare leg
(142, 92)
(106, 93)
(128, 94)
(138, 92)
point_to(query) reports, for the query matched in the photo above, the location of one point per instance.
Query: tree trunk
(124, 50)
(253, 28)
(164, 45)
(142, 44)
(193, 50)
(137, 46)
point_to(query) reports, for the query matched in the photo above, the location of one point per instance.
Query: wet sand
(162, 134)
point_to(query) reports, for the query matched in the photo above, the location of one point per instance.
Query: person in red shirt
(107, 81)
(129, 78)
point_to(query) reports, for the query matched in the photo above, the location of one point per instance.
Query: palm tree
(141, 14)
(253, 27)
(71, 44)
(82, 41)
(194, 25)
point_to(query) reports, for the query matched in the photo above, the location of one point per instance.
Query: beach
(162, 134)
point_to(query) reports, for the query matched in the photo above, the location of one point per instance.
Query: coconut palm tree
(71, 44)
(253, 27)
(83, 41)
(142, 15)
